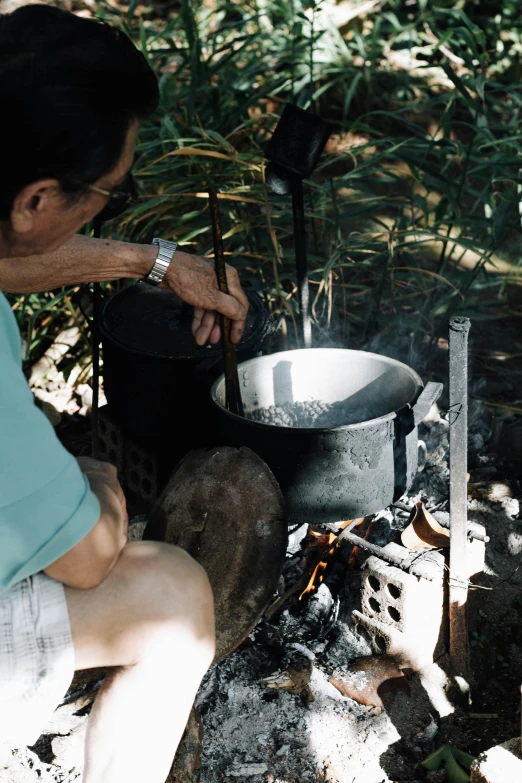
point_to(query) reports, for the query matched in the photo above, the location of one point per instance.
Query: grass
(413, 211)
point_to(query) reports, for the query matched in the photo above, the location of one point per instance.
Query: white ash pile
(273, 711)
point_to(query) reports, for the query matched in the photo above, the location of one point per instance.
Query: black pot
(156, 379)
(328, 475)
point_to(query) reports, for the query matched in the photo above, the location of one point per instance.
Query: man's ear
(33, 201)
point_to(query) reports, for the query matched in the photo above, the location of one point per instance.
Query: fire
(324, 547)
(318, 572)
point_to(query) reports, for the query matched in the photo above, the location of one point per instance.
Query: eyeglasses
(119, 198)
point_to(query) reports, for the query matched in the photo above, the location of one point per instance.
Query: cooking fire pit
(335, 472)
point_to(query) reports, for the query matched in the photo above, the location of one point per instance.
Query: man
(73, 593)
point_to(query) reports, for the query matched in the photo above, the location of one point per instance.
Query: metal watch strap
(162, 263)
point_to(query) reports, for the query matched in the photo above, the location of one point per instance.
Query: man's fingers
(235, 308)
(215, 334)
(199, 312)
(234, 287)
(205, 327)
(236, 333)
(231, 307)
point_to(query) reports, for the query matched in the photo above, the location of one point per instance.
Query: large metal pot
(344, 472)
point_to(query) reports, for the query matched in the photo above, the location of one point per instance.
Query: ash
(310, 413)
(269, 711)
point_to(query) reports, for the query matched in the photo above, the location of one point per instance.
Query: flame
(317, 575)
(329, 539)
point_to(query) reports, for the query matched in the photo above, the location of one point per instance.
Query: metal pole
(458, 419)
(301, 264)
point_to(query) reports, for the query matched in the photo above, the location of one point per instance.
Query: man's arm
(84, 259)
(80, 260)
(88, 563)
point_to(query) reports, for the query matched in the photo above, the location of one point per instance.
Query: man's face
(42, 219)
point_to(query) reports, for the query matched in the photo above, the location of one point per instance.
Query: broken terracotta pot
(424, 532)
(374, 680)
(225, 508)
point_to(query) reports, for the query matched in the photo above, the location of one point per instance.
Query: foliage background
(413, 212)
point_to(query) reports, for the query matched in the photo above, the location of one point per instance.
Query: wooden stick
(232, 389)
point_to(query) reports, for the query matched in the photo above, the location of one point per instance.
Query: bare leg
(152, 619)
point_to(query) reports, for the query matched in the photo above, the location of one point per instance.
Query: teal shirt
(46, 504)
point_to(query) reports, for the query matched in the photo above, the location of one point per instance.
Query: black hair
(69, 90)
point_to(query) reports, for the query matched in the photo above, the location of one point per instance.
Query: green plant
(456, 762)
(413, 211)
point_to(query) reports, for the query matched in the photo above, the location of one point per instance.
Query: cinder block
(400, 599)
(141, 472)
(111, 446)
(403, 613)
(137, 468)
(414, 651)
(501, 764)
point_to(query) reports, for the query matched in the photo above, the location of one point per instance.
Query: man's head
(72, 92)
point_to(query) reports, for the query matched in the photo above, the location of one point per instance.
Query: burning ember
(326, 543)
(320, 568)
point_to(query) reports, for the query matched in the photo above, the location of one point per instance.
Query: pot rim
(357, 426)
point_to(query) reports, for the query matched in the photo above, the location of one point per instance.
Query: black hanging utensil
(232, 390)
(298, 141)
(293, 151)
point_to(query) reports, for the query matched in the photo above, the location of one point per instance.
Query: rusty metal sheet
(225, 508)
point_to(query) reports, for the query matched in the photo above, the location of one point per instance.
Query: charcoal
(311, 414)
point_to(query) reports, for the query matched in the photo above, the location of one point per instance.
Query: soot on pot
(311, 414)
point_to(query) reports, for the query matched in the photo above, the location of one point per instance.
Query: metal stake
(458, 419)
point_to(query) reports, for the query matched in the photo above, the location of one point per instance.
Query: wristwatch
(162, 263)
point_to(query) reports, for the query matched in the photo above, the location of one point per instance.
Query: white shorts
(36, 657)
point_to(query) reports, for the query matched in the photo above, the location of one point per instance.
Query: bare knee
(172, 588)
(156, 601)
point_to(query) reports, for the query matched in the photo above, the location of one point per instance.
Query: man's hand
(103, 473)
(87, 564)
(194, 280)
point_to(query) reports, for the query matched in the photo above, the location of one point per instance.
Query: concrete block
(399, 599)
(111, 445)
(403, 613)
(141, 472)
(411, 650)
(501, 764)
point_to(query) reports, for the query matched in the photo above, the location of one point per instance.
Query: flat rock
(188, 755)
(225, 508)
